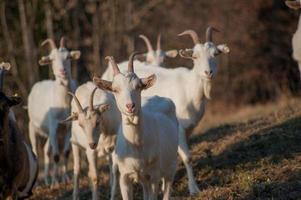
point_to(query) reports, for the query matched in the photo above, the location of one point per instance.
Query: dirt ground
(248, 153)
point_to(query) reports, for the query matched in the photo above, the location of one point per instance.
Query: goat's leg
(91, 155)
(126, 187)
(33, 138)
(183, 151)
(146, 190)
(154, 188)
(167, 189)
(76, 170)
(66, 178)
(113, 175)
(55, 151)
(46, 162)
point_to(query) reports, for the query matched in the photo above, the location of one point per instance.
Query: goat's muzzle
(130, 107)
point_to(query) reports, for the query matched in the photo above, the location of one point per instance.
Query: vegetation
(251, 156)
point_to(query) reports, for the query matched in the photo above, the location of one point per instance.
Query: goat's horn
(114, 64)
(209, 32)
(63, 42)
(131, 61)
(147, 42)
(79, 107)
(91, 99)
(192, 34)
(159, 42)
(50, 42)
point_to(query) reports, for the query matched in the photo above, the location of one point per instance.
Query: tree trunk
(29, 48)
(11, 54)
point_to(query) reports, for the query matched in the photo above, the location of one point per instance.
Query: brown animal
(18, 164)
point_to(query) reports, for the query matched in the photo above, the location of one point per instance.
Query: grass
(247, 153)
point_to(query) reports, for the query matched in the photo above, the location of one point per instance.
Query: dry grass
(250, 153)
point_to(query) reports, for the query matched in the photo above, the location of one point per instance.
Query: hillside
(253, 153)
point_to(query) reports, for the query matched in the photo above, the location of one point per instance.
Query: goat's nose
(130, 107)
(92, 145)
(209, 73)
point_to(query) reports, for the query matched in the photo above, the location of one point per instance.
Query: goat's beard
(133, 120)
(207, 88)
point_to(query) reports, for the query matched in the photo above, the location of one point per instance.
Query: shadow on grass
(290, 189)
(277, 142)
(217, 133)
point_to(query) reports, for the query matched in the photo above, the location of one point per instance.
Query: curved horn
(91, 107)
(131, 61)
(159, 42)
(114, 64)
(79, 107)
(50, 42)
(192, 34)
(63, 42)
(209, 32)
(147, 42)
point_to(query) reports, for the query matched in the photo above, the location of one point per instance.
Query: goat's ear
(223, 48)
(5, 65)
(171, 53)
(148, 81)
(45, 60)
(75, 55)
(186, 53)
(293, 4)
(102, 84)
(103, 107)
(14, 100)
(72, 117)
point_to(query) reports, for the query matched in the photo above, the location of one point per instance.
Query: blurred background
(248, 144)
(259, 68)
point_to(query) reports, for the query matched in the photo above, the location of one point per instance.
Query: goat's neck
(132, 129)
(63, 87)
(196, 88)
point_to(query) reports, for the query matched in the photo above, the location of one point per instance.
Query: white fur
(48, 104)
(297, 36)
(104, 135)
(147, 140)
(188, 89)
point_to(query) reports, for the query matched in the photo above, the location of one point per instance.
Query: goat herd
(139, 133)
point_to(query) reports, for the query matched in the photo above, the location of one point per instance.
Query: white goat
(49, 103)
(156, 58)
(296, 4)
(146, 148)
(188, 89)
(92, 129)
(19, 166)
(152, 58)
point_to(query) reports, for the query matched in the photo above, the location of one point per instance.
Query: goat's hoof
(54, 183)
(194, 190)
(66, 179)
(46, 181)
(56, 158)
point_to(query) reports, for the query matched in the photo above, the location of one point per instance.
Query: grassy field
(248, 153)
